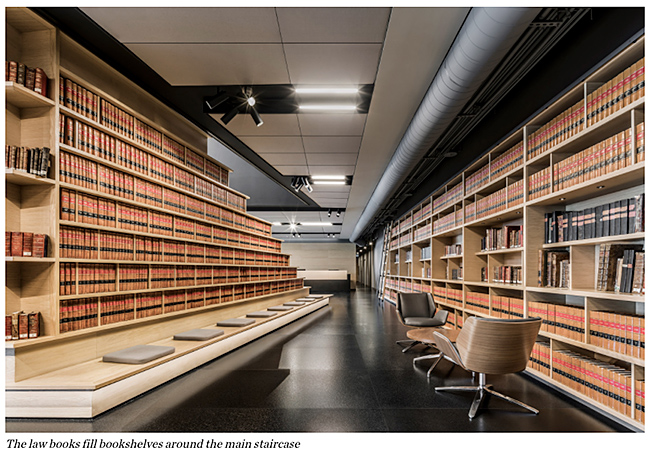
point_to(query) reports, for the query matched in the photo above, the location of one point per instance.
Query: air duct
(485, 38)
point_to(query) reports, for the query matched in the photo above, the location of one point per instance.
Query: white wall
(323, 256)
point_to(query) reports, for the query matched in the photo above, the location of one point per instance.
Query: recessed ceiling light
(277, 223)
(600, 187)
(323, 90)
(346, 107)
(334, 177)
(340, 183)
(562, 199)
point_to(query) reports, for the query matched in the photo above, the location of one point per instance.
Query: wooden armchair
(491, 346)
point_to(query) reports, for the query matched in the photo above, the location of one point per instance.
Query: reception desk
(326, 280)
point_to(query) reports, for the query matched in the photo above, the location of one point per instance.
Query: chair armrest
(444, 345)
(441, 316)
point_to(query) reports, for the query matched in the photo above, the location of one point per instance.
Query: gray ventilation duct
(485, 38)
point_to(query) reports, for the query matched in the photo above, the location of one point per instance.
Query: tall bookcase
(184, 238)
(437, 246)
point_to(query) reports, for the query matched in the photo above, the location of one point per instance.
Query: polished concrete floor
(337, 370)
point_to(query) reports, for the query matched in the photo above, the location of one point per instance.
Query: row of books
(83, 208)
(506, 198)
(455, 274)
(448, 222)
(83, 278)
(35, 161)
(507, 307)
(565, 320)
(83, 101)
(598, 160)
(539, 184)
(33, 79)
(419, 287)
(508, 275)
(625, 216)
(409, 256)
(89, 175)
(26, 244)
(422, 213)
(82, 243)
(509, 160)
(425, 253)
(454, 249)
(422, 233)
(613, 95)
(506, 237)
(448, 296)
(553, 269)
(405, 223)
(619, 332)
(79, 314)
(450, 197)
(621, 268)
(562, 127)
(603, 382)
(479, 302)
(540, 358)
(22, 326)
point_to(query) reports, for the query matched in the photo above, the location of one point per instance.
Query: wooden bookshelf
(503, 175)
(33, 204)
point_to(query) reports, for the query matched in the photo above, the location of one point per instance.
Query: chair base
(481, 392)
(410, 343)
(438, 357)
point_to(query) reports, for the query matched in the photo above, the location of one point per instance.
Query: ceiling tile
(331, 123)
(332, 64)
(215, 64)
(284, 158)
(332, 218)
(332, 195)
(324, 189)
(331, 170)
(330, 158)
(333, 24)
(215, 25)
(275, 124)
(337, 145)
(332, 203)
(274, 144)
(289, 170)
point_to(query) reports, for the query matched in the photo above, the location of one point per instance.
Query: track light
(338, 213)
(297, 182)
(329, 213)
(256, 116)
(308, 186)
(230, 115)
(216, 100)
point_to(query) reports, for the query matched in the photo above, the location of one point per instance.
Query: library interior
(325, 219)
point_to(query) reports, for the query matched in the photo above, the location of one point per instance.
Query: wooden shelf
(448, 257)
(501, 251)
(594, 241)
(452, 232)
(498, 218)
(592, 348)
(23, 98)
(22, 178)
(490, 185)
(589, 293)
(28, 259)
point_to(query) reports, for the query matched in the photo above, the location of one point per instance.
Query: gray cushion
(235, 322)
(305, 299)
(422, 322)
(294, 304)
(198, 334)
(416, 305)
(261, 314)
(280, 308)
(141, 353)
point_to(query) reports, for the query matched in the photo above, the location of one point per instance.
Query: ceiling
(397, 51)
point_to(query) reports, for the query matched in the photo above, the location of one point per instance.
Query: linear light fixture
(328, 177)
(315, 223)
(335, 107)
(323, 90)
(340, 183)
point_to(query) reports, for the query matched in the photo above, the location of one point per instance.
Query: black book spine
(631, 215)
(607, 209)
(622, 216)
(599, 221)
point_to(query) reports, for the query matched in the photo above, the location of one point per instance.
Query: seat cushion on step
(280, 308)
(235, 322)
(261, 314)
(294, 304)
(198, 334)
(305, 299)
(141, 353)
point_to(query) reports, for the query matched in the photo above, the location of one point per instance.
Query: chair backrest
(415, 305)
(497, 346)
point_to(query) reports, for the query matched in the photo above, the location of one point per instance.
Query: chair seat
(198, 334)
(422, 322)
(141, 353)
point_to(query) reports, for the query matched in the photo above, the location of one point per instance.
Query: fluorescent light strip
(306, 90)
(332, 177)
(315, 223)
(327, 107)
(332, 183)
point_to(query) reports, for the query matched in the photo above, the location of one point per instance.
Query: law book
(23, 326)
(40, 243)
(15, 325)
(639, 272)
(16, 243)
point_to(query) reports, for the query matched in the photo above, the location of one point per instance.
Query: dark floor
(336, 370)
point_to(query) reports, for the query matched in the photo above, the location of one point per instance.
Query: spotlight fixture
(297, 182)
(216, 100)
(338, 213)
(256, 116)
(308, 186)
(450, 154)
(230, 115)
(329, 213)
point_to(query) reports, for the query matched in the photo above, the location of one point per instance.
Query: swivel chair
(418, 310)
